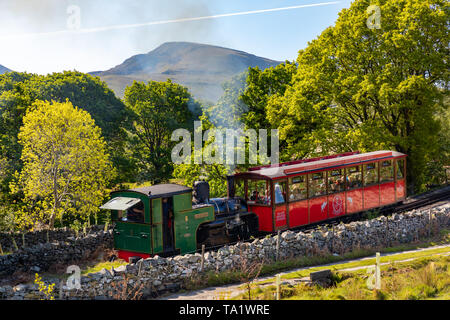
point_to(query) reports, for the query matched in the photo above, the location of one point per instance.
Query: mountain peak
(4, 69)
(201, 67)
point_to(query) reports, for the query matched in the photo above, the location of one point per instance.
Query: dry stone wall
(157, 275)
(40, 237)
(63, 250)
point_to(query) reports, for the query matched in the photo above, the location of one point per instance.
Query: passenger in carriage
(279, 197)
(350, 182)
(254, 195)
(267, 197)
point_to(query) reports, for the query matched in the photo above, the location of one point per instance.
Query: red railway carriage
(303, 192)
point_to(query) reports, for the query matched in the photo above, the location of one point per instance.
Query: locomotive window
(297, 188)
(280, 192)
(336, 182)
(317, 186)
(370, 174)
(259, 192)
(400, 169)
(239, 189)
(354, 178)
(386, 171)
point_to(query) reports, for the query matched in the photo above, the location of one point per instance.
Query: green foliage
(65, 163)
(228, 111)
(47, 291)
(7, 219)
(157, 108)
(365, 89)
(215, 173)
(261, 85)
(18, 91)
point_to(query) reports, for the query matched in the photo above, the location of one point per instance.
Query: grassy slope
(423, 278)
(214, 279)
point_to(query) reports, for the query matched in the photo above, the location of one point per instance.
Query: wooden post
(23, 240)
(203, 257)
(429, 222)
(48, 239)
(61, 283)
(278, 246)
(278, 287)
(377, 272)
(332, 238)
(1, 249)
(140, 265)
(386, 233)
(14, 242)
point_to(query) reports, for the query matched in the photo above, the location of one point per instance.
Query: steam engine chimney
(230, 187)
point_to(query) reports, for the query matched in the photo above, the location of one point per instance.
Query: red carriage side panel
(401, 190)
(298, 213)
(265, 217)
(336, 205)
(387, 193)
(318, 209)
(280, 216)
(354, 201)
(371, 196)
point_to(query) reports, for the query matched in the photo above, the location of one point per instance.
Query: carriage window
(280, 192)
(354, 178)
(297, 188)
(317, 186)
(400, 169)
(386, 171)
(336, 182)
(259, 192)
(370, 173)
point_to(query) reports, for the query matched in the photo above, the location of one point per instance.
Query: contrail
(145, 24)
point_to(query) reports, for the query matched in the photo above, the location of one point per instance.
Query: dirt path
(233, 290)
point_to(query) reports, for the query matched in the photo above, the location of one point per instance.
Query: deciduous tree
(65, 161)
(158, 109)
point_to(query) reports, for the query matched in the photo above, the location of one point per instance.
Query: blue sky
(31, 42)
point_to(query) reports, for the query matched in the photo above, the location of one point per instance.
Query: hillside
(202, 68)
(4, 69)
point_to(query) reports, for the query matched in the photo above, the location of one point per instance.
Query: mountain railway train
(169, 219)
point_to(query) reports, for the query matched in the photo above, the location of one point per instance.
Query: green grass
(421, 279)
(212, 278)
(103, 265)
(362, 263)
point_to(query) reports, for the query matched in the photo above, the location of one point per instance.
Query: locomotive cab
(156, 220)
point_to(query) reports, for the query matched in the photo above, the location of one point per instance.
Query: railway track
(411, 203)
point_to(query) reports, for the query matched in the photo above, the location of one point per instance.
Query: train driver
(136, 213)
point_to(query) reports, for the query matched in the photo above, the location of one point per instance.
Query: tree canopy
(65, 161)
(158, 109)
(18, 91)
(358, 88)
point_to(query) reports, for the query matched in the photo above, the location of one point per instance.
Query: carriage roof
(287, 169)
